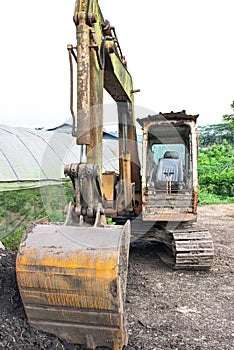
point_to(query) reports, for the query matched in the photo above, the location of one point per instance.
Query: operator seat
(170, 168)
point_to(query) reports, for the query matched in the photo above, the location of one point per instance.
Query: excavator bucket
(72, 281)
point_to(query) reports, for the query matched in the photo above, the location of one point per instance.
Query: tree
(230, 117)
(216, 170)
(215, 134)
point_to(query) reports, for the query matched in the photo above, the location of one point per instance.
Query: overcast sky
(180, 54)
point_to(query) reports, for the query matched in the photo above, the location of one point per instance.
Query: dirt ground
(166, 309)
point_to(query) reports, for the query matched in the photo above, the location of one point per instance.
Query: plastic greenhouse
(30, 163)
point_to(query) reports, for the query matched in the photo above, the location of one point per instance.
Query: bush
(216, 172)
(20, 208)
(12, 242)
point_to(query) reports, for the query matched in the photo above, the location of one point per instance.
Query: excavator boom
(72, 277)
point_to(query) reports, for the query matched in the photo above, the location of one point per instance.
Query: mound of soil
(166, 309)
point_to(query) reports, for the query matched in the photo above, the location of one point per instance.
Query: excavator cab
(169, 179)
(170, 190)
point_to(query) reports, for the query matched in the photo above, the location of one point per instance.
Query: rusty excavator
(72, 276)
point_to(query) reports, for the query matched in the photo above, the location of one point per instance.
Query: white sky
(180, 54)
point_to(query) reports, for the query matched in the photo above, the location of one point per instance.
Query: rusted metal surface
(173, 116)
(186, 245)
(118, 81)
(100, 64)
(124, 186)
(168, 215)
(183, 206)
(87, 188)
(193, 250)
(72, 282)
(94, 149)
(71, 53)
(191, 247)
(128, 144)
(83, 80)
(194, 133)
(135, 163)
(190, 244)
(195, 201)
(87, 18)
(109, 181)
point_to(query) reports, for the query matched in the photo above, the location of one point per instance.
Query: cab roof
(172, 116)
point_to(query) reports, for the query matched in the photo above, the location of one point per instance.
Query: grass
(18, 209)
(12, 242)
(210, 198)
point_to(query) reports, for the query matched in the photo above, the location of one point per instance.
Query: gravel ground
(166, 309)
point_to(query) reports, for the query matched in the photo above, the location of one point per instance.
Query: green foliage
(23, 211)
(2, 211)
(12, 242)
(215, 134)
(110, 221)
(230, 117)
(216, 173)
(210, 198)
(19, 208)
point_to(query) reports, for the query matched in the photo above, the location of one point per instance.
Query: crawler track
(188, 246)
(192, 247)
